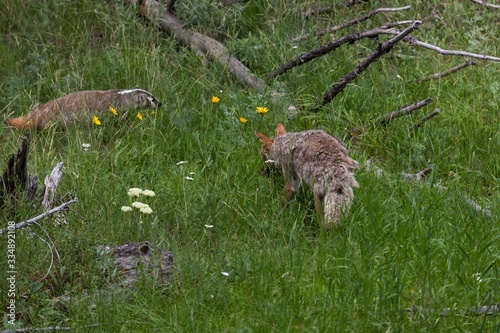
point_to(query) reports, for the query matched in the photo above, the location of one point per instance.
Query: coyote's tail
(337, 203)
(20, 122)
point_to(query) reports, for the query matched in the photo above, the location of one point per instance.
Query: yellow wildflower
(215, 99)
(262, 109)
(243, 120)
(113, 110)
(139, 116)
(96, 120)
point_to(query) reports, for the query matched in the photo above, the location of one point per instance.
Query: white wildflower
(181, 163)
(139, 205)
(209, 226)
(191, 173)
(477, 276)
(86, 146)
(189, 178)
(134, 192)
(146, 210)
(225, 273)
(148, 193)
(126, 209)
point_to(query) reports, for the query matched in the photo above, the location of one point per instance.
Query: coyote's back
(318, 159)
(68, 108)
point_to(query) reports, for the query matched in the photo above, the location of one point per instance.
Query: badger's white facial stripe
(128, 91)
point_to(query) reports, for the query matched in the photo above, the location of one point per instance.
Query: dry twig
(414, 41)
(35, 219)
(346, 23)
(424, 119)
(383, 120)
(486, 4)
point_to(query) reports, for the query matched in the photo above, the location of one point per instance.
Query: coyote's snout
(318, 159)
(67, 109)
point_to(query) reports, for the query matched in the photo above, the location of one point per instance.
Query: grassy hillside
(403, 245)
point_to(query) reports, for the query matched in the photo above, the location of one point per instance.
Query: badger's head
(141, 98)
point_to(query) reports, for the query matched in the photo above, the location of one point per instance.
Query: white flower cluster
(142, 207)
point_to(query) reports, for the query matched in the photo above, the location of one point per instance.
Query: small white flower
(225, 273)
(209, 226)
(148, 193)
(126, 209)
(86, 146)
(139, 205)
(189, 178)
(294, 47)
(477, 276)
(146, 210)
(181, 163)
(191, 173)
(134, 192)
(269, 161)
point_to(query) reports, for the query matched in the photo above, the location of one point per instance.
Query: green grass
(403, 244)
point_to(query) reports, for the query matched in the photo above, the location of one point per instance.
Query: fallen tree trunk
(157, 13)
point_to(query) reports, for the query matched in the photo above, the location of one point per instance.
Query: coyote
(66, 109)
(318, 159)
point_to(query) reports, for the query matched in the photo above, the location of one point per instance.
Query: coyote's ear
(280, 130)
(265, 140)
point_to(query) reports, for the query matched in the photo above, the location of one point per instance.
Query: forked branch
(360, 67)
(326, 48)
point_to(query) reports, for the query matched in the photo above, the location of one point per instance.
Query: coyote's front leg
(288, 190)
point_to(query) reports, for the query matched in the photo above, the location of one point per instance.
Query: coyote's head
(141, 98)
(267, 142)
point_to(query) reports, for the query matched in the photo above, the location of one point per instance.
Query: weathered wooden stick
(344, 24)
(452, 70)
(486, 4)
(424, 119)
(413, 41)
(360, 67)
(383, 120)
(35, 219)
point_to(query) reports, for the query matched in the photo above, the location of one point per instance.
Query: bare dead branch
(414, 41)
(347, 23)
(424, 119)
(486, 4)
(326, 48)
(360, 67)
(383, 120)
(35, 219)
(452, 70)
